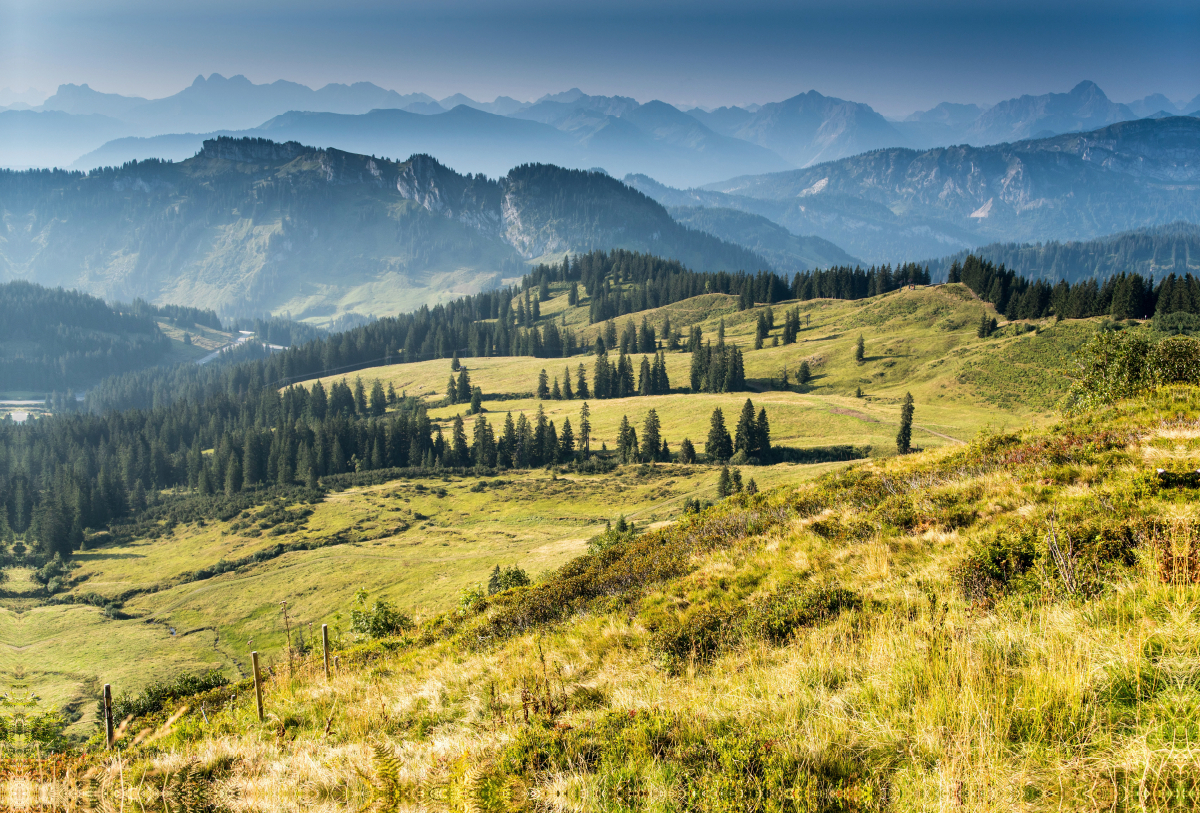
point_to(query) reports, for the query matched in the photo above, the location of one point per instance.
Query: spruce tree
(581, 385)
(476, 400)
(859, 349)
(687, 452)
(360, 397)
(458, 447)
(585, 429)
(378, 404)
(724, 483)
(566, 441)
(982, 331)
(762, 436)
(746, 433)
(651, 437)
(543, 385)
(719, 446)
(804, 375)
(904, 436)
(566, 387)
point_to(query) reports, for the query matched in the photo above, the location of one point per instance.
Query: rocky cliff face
(470, 199)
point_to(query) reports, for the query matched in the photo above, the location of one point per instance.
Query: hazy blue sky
(895, 56)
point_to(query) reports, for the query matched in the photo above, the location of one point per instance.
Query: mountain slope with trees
(51, 339)
(1151, 252)
(1076, 186)
(252, 225)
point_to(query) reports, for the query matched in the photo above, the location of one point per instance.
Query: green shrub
(776, 616)
(155, 697)
(506, 579)
(699, 637)
(380, 620)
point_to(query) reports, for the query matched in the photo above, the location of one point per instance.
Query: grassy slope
(530, 520)
(921, 341)
(919, 698)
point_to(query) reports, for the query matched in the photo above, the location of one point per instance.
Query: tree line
(54, 339)
(1121, 296)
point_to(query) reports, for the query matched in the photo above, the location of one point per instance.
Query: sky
(897, 57)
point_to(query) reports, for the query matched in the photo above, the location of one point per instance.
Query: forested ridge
(1152, 253)
(56, 339)
(1121, 296)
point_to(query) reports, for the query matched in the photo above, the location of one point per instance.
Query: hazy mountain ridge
(1074, 186)
(616, 132)
(472, 140)
(864, 228)
(320, 232)
(1152, 252)
(787, 252)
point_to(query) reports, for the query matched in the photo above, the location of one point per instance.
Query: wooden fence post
(257, 684)
(325, 648)
(108, 720)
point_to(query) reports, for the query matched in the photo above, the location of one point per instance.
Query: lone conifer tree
(719, 445)
(724, 483)
(687, 453)
(859, 348)
(904, 436)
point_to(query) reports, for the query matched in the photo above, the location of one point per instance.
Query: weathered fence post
(108, 720)
(325, 648)
(257, 684)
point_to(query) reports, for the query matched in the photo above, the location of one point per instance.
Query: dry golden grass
(947, 704)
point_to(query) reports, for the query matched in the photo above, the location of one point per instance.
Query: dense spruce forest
(55, 339)
(52, 339)
(1152, 253)
(1122, 296)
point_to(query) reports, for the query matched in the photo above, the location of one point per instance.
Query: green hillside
(1004, 623)
(208, 574)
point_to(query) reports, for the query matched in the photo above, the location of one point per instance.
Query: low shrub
(776, 616)
(155, 697)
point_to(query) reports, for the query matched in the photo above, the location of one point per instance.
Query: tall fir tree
(904, 436)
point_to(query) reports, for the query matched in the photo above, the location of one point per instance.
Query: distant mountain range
(248, 225)
(897, 204)
(1152, 252)
(571, 128)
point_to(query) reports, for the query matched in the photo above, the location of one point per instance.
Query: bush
(1112, 366)
(507, 579)
(157, 696)
(776, 616)
(380, 620)
(699, 637)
